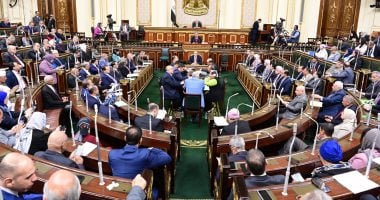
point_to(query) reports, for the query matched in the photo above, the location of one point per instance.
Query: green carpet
(192, 176)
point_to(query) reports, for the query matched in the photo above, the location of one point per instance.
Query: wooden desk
(183, 35)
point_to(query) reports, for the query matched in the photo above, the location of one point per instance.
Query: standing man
(170, 86)
(51, 23)
(255, 31)
(110, 22)
(36, 19)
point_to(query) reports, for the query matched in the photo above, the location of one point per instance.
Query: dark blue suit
(8, 196)
(178, 75)
(131, 160)
(198, 61)
(332, 104)
(103, 110)
(266, 180)
(58, 158)
(83, 75)
(10, 118)
(143, 122)
(239, 156)
(286, 84)
(171, 87)
(58, 62)
(94, 69)
(131, 65)
(92, 101)
(11, 79)
(107, 79)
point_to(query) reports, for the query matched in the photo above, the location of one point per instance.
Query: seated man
(10, 57)
(14, 77)
(55, 149)
(334, 55)
(331, 155)
(347, 75)
(194, 85)
(51, 98)
(233, 120)
(72, 81)
(325, 133)
(256, 163)
(347, 102)
(196, 39)
(331, 104)
(237, 146)
(106, 77)
(195, 59)
(171, 87)
(18, 175)
(8, 137)
(93, 97)
(293, 108)
(132, 160)
(374, 88)
(84, 71)
(35, 53)
(156, 124)
(62, 185)
(283, 82)
(295, 36)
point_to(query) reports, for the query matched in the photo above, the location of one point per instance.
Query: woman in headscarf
(32, 137)
(46, 66)
(348, 55)
(348, 124)
(360, 160)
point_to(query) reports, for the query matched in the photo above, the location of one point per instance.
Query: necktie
(18, 60)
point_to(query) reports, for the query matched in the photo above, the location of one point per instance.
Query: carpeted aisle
(192, 176)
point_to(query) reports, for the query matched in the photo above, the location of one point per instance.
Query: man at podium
(195, 59)
(196, 39)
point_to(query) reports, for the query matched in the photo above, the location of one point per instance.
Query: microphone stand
(372, 149)
(313, 93)
(278, 110)
(129, 110)
(356, 113)
(258, 134)
(101, 178)
(163, 97)
(236, 124)
(134, 92)
(253, 101)
(316, 133)
(85, 94)
(21, 109)
(228, 102)
(370, 110)
(287, 174)
(76, 88)
(71, 123)
(361, 88)
(109, 114)
(150, 117)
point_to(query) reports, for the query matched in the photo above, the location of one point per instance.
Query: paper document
(132, 75)
(376, 160)
(316, 104)
(87, 148)
(355, 182)
(161, 114)
(120, 104)
(220, 121)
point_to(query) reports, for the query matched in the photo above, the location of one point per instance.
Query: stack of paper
(161, 114)
(86, 148)
(120, 104)
(355, 182)
(220, 121)
(316, 104)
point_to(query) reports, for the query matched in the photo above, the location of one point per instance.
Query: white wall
(23, 11)
(369, 18)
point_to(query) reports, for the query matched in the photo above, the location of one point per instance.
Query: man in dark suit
(374, 88)
(373, 50)
(237, 146)
(255, 31)
(196, 24)
(18, 175)
(30, 29)
(171, 87)
(331, 104)
(93, 97)
(156, 124)
(233, 119)
(283, 82)
(347, 102)
(130, 63)
(132, 160)
(5, 23)
(196, 39)
(35, 53)
(10, 57)
(107, 78)
(195, 59)
(54, 152)
(293, 108)
(256, 163)
(14, 77)
(51, 98)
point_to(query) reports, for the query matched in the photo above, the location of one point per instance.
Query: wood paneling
(338, 17)
(64, 12)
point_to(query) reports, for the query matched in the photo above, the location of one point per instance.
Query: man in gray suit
(293, 108)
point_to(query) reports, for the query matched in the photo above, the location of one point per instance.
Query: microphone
(150, 117)
(86, 95)
(258, 134)
(236, 124)
(372, 149)
(278, 109)
(134, 92)
(253, 101)
(129, 110)
(71, 123)
(287, 174)
(370, 110)
(100, 167)
(356, 114)
(163, 97)
(316, 133)
(109, 114)
(228, 102)
(21, 109)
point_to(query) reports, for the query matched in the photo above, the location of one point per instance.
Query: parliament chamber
(215, 99)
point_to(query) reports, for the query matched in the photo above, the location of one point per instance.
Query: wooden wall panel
(64, 12)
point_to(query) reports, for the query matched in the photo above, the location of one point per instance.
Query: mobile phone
(264, 195)
(298, 177)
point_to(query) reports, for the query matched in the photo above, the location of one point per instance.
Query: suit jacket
(255, 27)
(376, 90)
(9, 59)
(239, 156)
(94, 69)
(58, 158)
(103, 110)
(171, 86)
(32, 55)
(347, 76)
(9, 196)
(376, 52)
(92, 101)
(131, 160)
(196, 40)
(195, 86)
(243, 127)
(143, 122)
(266, 180)
(107, 80)
(83, 74)
(316, 83)
(11, 79)
(10, 118)
(30, 30)
(178, 75)
(71, 83)
(332, 104)
(294, 107)
(286, 84)
(198, 61)
(131, 65)
(51, 99)
(136, 193)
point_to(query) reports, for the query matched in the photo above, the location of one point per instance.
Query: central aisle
(192, 176)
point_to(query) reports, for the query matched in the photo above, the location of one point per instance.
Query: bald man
(293, 108)
(62, 185)
(18, 174)
(55, 148)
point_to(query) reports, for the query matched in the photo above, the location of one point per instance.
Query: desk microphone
(150, 117)
(278, 109)
(228, 102)
(287, 174)
(370, 157)
(258, 134)
(100, 167)
(316, 133)
(134, 92)
(71, 123)
(163, 97)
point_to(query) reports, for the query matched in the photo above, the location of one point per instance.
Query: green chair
(164, 58)
(192, 106)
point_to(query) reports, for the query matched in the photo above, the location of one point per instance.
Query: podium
(202, 49)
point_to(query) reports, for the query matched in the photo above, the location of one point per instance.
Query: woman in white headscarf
(360, 160)
(32, 138)
(347, 126)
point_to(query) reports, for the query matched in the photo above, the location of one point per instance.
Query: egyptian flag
(172, 14)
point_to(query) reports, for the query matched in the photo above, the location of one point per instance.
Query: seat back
(92, 31)
(224, 59)
(192, 102)
(165, 52)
